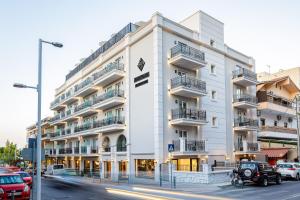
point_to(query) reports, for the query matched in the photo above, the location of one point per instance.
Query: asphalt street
(54, 190)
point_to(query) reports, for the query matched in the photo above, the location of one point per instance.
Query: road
(54, 190)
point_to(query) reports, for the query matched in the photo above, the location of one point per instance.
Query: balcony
(245, 124)
(109, 74)
(189, 147)
(61, 151)
(84, 109)
(56, 104)
(84, 88)
(187, 57)
(188, 117)
(244, 101)
(110, 124)
(76, 150)
(245, 147)
(273, 104)
(244, 77)
(68, 150)
(109, 99)
(56, 120)
(277, 132)
(188, 87)
(46, 136)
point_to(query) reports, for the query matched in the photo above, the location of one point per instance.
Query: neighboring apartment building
(157, 92)
(278, 123)
(47, 132)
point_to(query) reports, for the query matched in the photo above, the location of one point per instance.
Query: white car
(289, 170)
(55, 169)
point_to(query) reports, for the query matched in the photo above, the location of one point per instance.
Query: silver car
(289, 170)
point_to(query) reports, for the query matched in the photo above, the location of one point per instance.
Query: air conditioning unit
(290, 119)
(278, 117)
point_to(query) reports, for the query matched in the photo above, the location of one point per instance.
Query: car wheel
(265, 182)
(278, 180)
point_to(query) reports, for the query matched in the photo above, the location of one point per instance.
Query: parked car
(258, 172)
(13, 187)
(289, 170)
(55, 169)
(4, 170)
(26, 178)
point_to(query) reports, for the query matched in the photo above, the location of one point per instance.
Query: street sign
(31, 142)
(170, 147)
(29, 154)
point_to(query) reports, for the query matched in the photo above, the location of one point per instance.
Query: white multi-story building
(157, 92)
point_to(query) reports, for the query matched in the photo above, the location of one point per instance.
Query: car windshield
(247, 166)
(10, 179)
(23, 175)
(285, 166)
(58, 167)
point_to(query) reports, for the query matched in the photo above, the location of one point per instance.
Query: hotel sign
(143, 78)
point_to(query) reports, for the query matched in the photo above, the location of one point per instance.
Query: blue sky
(266, 30)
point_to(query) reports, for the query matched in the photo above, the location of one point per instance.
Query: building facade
(277, 112)
(157, 92)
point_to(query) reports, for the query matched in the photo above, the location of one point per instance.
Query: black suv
(258, 172)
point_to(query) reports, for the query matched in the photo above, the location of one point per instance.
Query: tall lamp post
(39, 91)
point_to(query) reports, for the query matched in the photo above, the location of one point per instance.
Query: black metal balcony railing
(76, 150)
(243, 72)
(193, 114)
(83, 149)
(187, 51)
(83, 84)
(110, 67)
(189, 82)
(109, 121)
(82, 106)
(94, 149)
(61, 151)
(252, 146)
(106, 149)
(109, 94)
(245, 122)
(68, 150)
(244, 98)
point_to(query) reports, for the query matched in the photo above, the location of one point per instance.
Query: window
(182, 134)
(212, 69)
(212, 42)
(262, 122)
(121, 144)
(214, 122)
(285, 124)
(213, 95)
(275, 123)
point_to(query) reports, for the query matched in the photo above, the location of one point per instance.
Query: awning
(275, 152)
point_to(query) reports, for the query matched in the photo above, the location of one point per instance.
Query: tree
(9, 154)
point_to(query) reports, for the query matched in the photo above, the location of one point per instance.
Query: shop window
(144, 168)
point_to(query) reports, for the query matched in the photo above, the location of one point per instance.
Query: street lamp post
(39, 91)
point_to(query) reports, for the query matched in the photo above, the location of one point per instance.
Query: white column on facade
(127, 83)
(158, 92)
